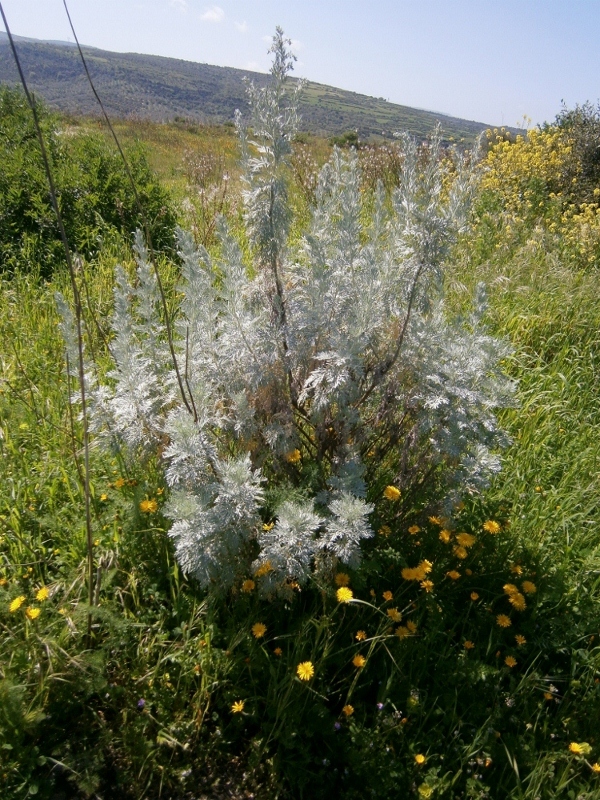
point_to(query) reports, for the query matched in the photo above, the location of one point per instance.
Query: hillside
(160, 89)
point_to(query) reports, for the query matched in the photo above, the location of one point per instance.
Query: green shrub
(93, 189)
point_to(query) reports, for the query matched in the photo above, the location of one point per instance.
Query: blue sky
(493, 61)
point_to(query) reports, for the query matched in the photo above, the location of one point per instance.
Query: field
(459, 659)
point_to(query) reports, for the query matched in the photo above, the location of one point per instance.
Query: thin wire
(188, 403)
(78, 316)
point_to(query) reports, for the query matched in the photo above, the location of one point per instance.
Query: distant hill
(153, 87)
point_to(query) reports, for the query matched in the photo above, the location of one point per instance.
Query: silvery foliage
(328, 366)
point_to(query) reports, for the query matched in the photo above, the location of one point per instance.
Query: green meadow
(478, 678)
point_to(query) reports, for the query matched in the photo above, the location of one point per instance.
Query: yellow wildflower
(42, 594)
(16, 603)
(391, 493)
(510, 588)
(596, 768)
(517, 569)
(348, 710)
(237, 707)
(529, 587)
(394, 614)
(305, 670)
(420, 758)
(491, 526)
(414, 529)
(453, 575)
(445, 536)
(341, 579)
(359, 661)
(460, 552)
(520, 639)
(474, 596)
(548, 696)
(148, 506)
(517, 601)
(580, 748)
(360, 636)
(119, 483)
(267, 526)
(466, 539)
(385, 530)
(510, 661)
(103, 498)
(412, 627)
(248, 586)
(436, 521)
(388, 596)
(259, 630)
(32, 613)
(402, 632)
(264, 569)
(293, 456)
(468, 645)
(503, 621)
(427, 585)
(344, 595)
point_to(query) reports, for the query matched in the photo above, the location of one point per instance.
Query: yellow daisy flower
(391, 493)
(510, 661)
(248, 586)
(394, 614)
(388, 595)
(503, 621)
(293, 456)
(427, 585)
(237, 707)
(529, 587)
(32, 613)
(468, 645)
(341, 579)
(348, 710)
(453, 575)
(16, 603)
(259, 630)
(466, 539)
(414, 529)
(520, 640)
(42, 594)
(305, 670)
(460, 552)
(359, 661)
(420, 758)
(491, 526)
(445, 536)
(385, 530)
(474, 596)
(148, 506)
(360, 636)
(344, 595)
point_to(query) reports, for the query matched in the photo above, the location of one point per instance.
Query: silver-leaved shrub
(309, 377)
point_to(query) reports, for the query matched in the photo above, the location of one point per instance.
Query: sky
(493, 61)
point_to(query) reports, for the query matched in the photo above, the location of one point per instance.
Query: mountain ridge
(159, 88)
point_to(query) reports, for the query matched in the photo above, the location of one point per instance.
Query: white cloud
(254, 66)
(213, 14)
(241, 26)
(180, 5)
(297, 46)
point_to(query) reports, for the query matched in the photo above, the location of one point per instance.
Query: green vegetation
(180, 693)
(93, 189)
